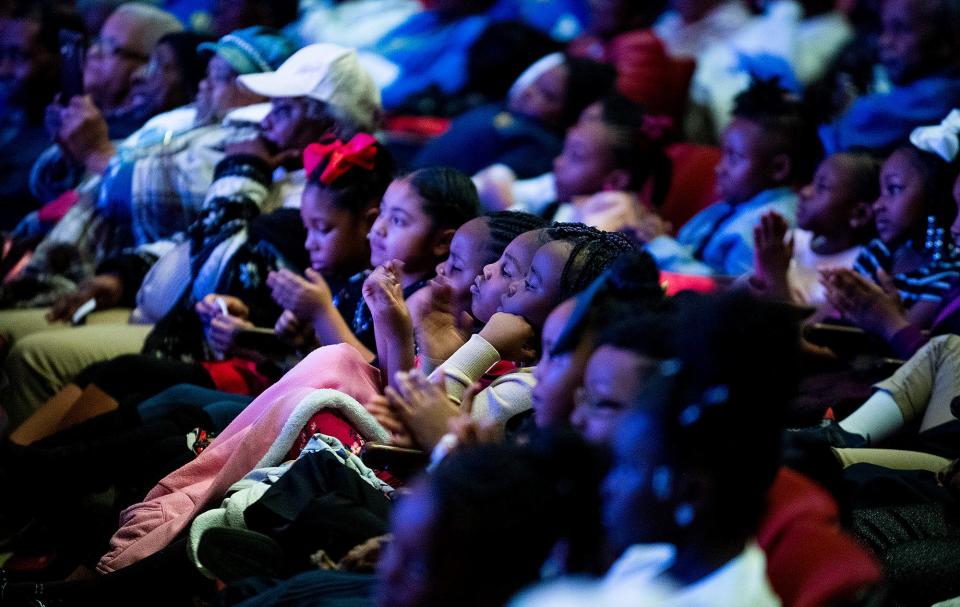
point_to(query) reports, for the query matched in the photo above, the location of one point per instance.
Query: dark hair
(51, 16)
(635, 148)
(587, 81)
(192, 66)
(501, 52)
(593, 252)
(721, 400)
(489, 497)
(865, 178)
(357, 189)
(504, 226)
(938, 177)
(783, 118)
(449, 196)
(629, 286)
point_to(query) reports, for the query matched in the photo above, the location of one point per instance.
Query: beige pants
(926, 384)
(892, 458)
(45, 357)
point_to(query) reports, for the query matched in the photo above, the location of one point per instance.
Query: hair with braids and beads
(637, 147)
(358, 188)
(504, 226)
(628, 287)
(726, 389)
(591, 256)
(783, 118)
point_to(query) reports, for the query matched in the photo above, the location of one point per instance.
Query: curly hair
(784, 120)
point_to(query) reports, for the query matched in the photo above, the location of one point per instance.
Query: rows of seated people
(420, 303)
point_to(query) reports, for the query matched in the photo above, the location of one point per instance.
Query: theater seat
(811, 561)
(692, 186)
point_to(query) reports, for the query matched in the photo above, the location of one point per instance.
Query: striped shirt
(930, 282)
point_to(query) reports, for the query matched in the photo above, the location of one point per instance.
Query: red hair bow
(361, 151)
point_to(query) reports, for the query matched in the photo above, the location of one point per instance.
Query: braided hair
(593, 252)
(504, 226)
(629, 289)
(358, 188)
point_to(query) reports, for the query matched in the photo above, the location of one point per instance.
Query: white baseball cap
(328, 73)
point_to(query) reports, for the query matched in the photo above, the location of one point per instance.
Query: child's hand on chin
(511, 335)
(384, 295)
(306, 297)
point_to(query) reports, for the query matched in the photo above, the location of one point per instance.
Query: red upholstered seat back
(811, 561)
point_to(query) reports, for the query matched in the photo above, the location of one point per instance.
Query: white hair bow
(941, 139)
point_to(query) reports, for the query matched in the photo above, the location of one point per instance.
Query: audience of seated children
(682, 520)
(286, 328)
(834, 220)
(524, 134)
(917, 53)
(767, 150)
(418, 217)
(906, 276)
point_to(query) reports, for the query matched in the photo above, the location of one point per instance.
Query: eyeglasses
(109, 47)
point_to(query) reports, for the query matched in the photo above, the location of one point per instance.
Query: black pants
(133, 378)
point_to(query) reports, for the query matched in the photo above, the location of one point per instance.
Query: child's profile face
(557, 375)
(826, 203)
(336, 238)
(745, 167)
(536, 293)
(585, 163)
(492, 283)
(465, 262)
(907, 40)
(403, 231)
(543, 99)
(612, 380)
(899, 209)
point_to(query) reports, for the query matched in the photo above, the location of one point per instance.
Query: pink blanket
(184, 493)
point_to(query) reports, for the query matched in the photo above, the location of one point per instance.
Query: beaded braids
(726, 390)
(593, 252)
(626, 292)
(504, 226)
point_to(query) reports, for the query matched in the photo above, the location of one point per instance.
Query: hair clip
(941, 139)
(361, 151)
